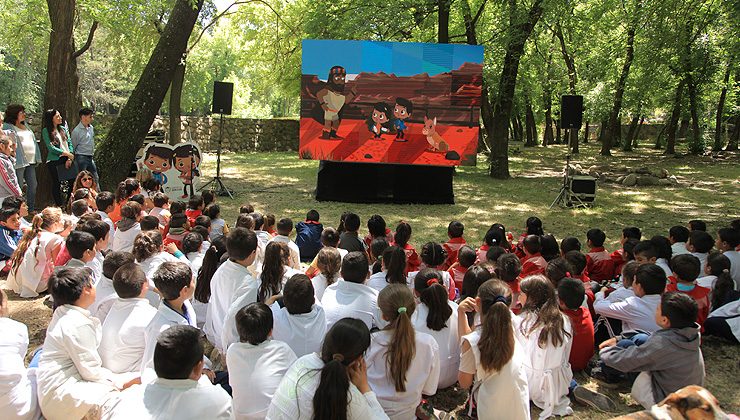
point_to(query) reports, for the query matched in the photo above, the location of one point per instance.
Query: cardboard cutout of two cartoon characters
(175, 167)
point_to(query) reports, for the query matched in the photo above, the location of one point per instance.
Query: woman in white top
(17, 386)
(150, 254)
(492, 361)
(275, 270)
(402, 365)
(329, 263)
(33, 260)
(546, 336)
(393, 270)
(436, 315)
(128, 227)
(333, 384)
(27, 153)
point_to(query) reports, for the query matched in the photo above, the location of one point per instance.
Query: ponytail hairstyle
(550, 248)
(432, 254)
(146, 245)
(719, 265)
(396, 302)
(329, 262)
(126, 189)
(340, 227)
(558, 269)
(377, 248)
(501, 236)
(394, 262)
(48, 217)
(534, 226)
(542, 305)
(496, 343)
(273, 268)
(432, 293)
(345, 343)
(473, 279)
(211, 262)
(403, 234)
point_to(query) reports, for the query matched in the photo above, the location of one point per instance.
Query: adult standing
(60, 157)
(27, 153)
(83, 141)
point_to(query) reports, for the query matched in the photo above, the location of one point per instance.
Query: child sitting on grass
(465, 259)
(455, 232)
(685, 271)
(308, 236)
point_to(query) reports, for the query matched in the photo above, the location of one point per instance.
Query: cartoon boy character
(402, 111)
(332, 99)
(187, 159)
(378, 119)
(159, 160)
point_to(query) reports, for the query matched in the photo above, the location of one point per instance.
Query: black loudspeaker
(582, 188)
(571, 111)
(223, 92)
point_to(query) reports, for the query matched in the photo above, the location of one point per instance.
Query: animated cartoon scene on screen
(176, 167)
(390, 102)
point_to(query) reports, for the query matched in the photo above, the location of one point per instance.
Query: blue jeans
(635, 340)
(28, 174)
(86, 163)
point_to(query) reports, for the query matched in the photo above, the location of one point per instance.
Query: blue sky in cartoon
(399, 58)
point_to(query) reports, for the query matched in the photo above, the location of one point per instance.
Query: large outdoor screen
(390, 102)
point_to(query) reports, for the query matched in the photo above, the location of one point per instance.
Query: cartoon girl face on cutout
(183, 164)
(379, 117)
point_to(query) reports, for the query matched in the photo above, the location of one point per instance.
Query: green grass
(281, 184)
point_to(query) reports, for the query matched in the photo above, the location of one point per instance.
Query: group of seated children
(336, 325)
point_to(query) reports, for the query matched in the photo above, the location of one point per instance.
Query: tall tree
(570, 64)
(721, 107)
(128, 132)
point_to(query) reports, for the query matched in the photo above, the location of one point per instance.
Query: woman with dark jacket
(61, 153)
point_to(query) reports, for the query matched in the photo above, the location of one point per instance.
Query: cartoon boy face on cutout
(158, 159)
(400, 112)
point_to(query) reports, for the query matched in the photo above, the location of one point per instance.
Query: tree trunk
(519, 128)
(548, 136)
(586, 133)
(128, 132)
(721, 109)
(670, 147)
(558, 135)
(602, 129)
(693, 108)
(175, 103)
(627, 145)
(531, 124)
(614, 129)
(443, 21)
(683, 129)
(637, 132)
(732, 143)
(659, 138)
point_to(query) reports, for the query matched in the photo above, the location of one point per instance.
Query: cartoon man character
(159, 160)
(402, 111)
(187, 159)
(332, 99)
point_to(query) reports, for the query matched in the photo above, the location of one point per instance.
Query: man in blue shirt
(83, 141)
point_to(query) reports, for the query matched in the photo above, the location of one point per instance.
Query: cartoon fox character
(436, 142)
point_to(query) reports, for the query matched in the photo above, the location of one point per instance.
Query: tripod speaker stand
(223, 92)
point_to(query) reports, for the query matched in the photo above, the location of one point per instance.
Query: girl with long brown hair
(33, 260)
(275, 270)
(546, 335)
(393, 269)
(329, 262)
(402, 365)
(492, 361)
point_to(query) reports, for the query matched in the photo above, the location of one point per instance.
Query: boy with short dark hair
(256, 362)
(571, 243)
(645, 253)
(101, 231)
(195, 208)
(361, 300)
(301, 322)
(533, 262)
(161, 208)
(231, 281)
(697, 225)
(699, 245)
(686, 269)
(149, 223)
(678, 235)
(177, 229)
(308, 236)
(465, 259)
(571, 293)
(19, 203)
(81, 247)
(177, 392)
(10, 225)
(618, 257)
(635, 311)
(670, 359)
(349, 239)
(124, 341)
(105, 292)
(72, 383)
(79, 207)
(599, 265)
(191, 247)
(105, 202)
(455, 231)
(284, 228)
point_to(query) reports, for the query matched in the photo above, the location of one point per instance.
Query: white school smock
(303, 333)
(229, 277)
(295, 253)
(446, 279)
(163, 319)
(150, 265)
(18, 398)
(320, 284)
(293, 399)
(33, 273)
(124, 240)
(345, 299)
(447, 340)
(731, 311)
(195, 260)
(377, 281)
(702, 256)
(166, 399)
(71, 378)
(707, 281)
(244, 295)
(502, 394)
(663, 263)
(548, 370)
(254, 375)
(678, 248)
(421, 378)
(103, 291)
(734, 258)
(617, 295)
(96, 265)
(634, 312)
(123, 343)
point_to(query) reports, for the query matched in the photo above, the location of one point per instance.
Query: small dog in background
(689, 403)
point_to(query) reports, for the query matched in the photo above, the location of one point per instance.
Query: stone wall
(239, 134)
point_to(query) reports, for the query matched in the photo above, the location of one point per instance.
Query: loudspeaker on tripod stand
(571, 111)
(223, 93)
